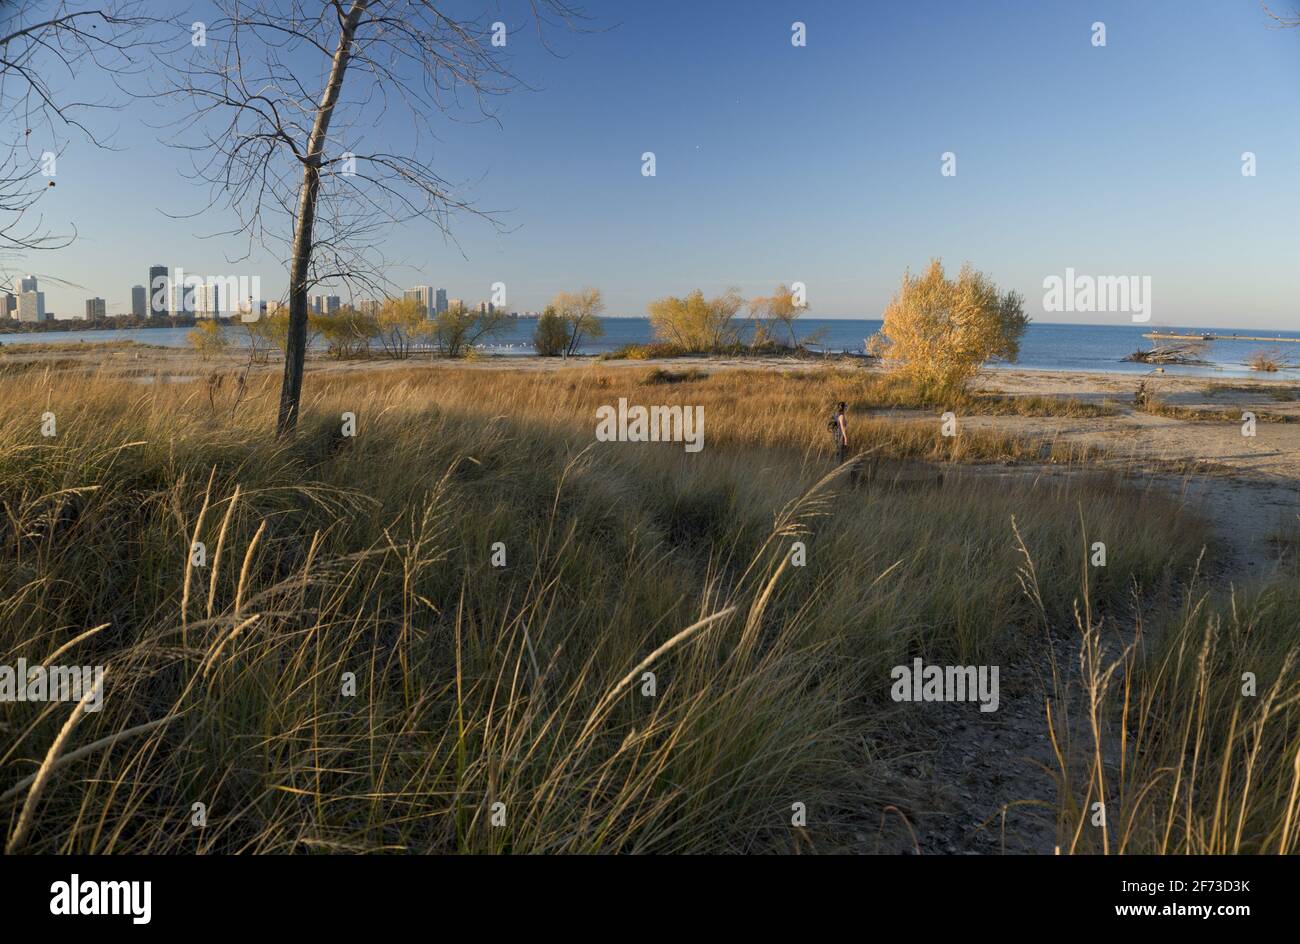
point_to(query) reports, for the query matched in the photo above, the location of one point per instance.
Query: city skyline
(172, 291)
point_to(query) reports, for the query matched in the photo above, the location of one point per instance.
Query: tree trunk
(300, 259)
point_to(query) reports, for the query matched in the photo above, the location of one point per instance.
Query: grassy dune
(370, 558)
(1207, 761)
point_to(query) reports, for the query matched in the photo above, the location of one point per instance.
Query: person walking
(840, 433)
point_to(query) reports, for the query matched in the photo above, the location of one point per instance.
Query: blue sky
(818, 164)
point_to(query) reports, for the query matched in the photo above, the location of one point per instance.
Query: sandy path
(987, 780)
(987, 783)
(1249, 490)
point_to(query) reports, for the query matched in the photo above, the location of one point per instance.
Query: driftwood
(1270, 361)
(1169, 354)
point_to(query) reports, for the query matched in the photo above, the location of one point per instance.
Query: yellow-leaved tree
(579, 312)
(207, 338)
(400, 321)
(696, 324)
(940, 331)
(457, 330)
(779, 310)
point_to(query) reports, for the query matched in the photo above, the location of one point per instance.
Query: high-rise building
(455, 304)
(207, 300)
(31, 304)
(139, 302)
(27, 285)
(424, 295)
(440, 301)
(95, 310)
(325, 304)
(182, 302)
(10, 303)
(159, 291)
(369, 306)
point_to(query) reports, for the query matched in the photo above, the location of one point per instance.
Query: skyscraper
(158, 291)
(31, 303)
(182, 302)
(207, 301)
(139, 302)
(440, 304)
(424, 295)
(95, 309)
(10, 310)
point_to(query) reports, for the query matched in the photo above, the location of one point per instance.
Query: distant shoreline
(167, 358)
(1089, 349)
(81, 326)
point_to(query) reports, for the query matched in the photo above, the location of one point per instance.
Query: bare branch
(285, 101)
(41, 43)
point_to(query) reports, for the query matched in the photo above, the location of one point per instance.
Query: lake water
(1044, 346)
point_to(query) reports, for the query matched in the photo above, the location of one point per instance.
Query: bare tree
(283, 91)
(42, 45)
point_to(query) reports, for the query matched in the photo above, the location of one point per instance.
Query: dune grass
(1199, 414)
(1201, 754)
(1273, 391)
(650, 671)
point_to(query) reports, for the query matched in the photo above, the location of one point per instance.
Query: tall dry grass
(1187, 734)
(370, 558)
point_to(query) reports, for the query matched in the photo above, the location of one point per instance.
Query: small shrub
(660, 376)
(643, 352)
(551, 337)
(207, 338)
